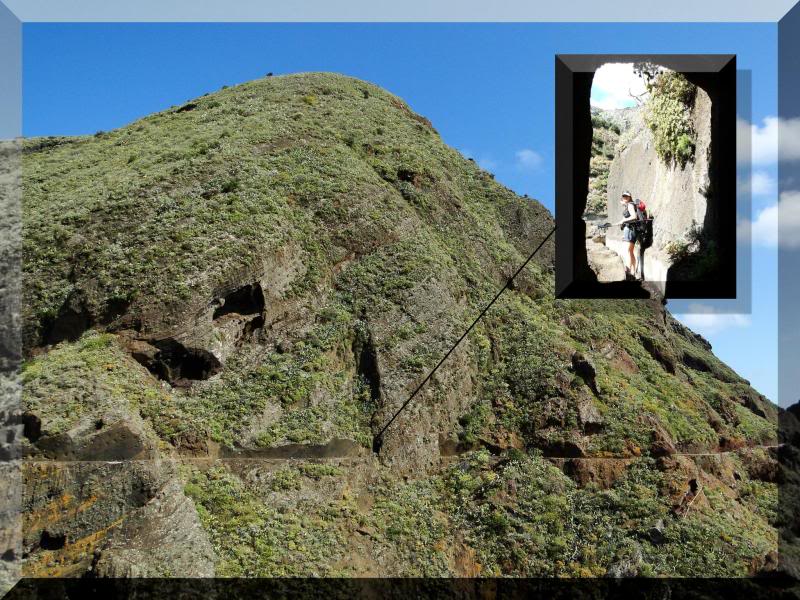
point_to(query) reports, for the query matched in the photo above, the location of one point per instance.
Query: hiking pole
(377, 441)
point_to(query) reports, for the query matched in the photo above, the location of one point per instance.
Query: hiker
(628, 230)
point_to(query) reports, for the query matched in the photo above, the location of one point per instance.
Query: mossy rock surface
(373, 246)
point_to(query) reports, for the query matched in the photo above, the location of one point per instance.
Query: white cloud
(779, 222)
(764, 230)
(613, 85)
(765, 138)
(707, 321)
(763, 184)
(528, 159)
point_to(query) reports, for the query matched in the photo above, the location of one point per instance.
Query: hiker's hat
(628, 194)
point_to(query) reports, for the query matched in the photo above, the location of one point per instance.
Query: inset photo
(646, 176)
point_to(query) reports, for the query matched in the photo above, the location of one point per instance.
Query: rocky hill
(225, 301)
(607, 126)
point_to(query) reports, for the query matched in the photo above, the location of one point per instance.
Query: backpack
(643, 225)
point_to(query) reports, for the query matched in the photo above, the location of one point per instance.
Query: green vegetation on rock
(605, 136)
(550, 443)
(668, 115)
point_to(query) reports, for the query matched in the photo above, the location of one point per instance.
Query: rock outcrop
(676, 195)
(215, 335)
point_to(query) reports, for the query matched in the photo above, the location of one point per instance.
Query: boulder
(589, 417)
(601, 472)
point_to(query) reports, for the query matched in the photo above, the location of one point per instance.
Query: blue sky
(487, 88)
(617, 85)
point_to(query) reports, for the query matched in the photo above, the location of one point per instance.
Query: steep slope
(266, 273)
(606, 128)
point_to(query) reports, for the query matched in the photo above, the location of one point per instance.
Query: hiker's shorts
(628, 234)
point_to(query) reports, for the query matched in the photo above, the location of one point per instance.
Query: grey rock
(605, 263)
(589, 416)
(164, 538)
(629, 565)
(675, 195)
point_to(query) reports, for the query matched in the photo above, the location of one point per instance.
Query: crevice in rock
(368, 373)
(252, 326)
(377, 444)
(696, 362)
(593, 428)
(114, 309)
(367, 368)
(31, 427)
(660, 353)
(180, 365)
(72, 320)
(49, 541)
(406, 175)
(246, 300)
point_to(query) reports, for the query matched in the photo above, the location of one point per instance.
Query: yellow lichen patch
(64, 507)
(69, 561)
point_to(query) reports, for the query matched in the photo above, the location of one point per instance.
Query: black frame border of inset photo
(573, 83)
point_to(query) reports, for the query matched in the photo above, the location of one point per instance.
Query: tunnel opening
(715, 75)
(48, 541)
(180, 365)
(31, 427)
(367, 369)
(246, 300)
(368, 374)
(72, 320)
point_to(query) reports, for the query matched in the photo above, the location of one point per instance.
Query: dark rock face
(121, 440)
(178, 364)
(72, 320)
(77, 315)
(247, 300)
(662, 444)
(660, 352)
(132, 515)
(162, 538)
(601, 472)
(585, 369)
(589, 417)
